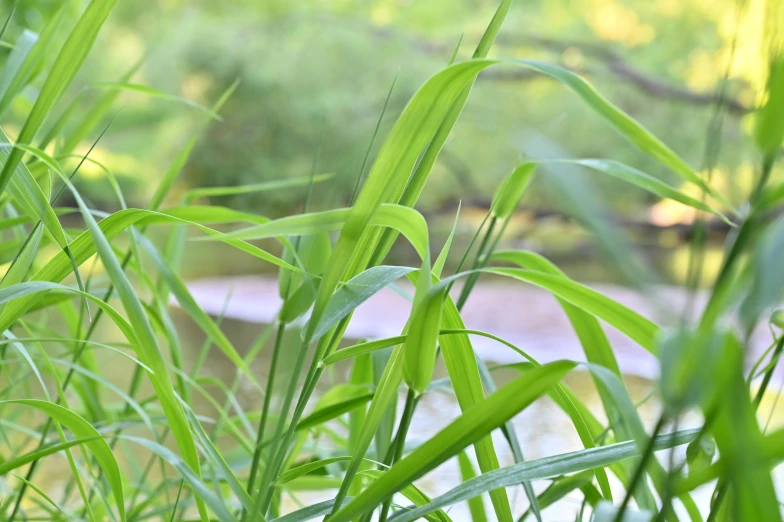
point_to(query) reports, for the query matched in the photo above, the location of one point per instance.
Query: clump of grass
(237, 463)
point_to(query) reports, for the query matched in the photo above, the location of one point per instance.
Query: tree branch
(624, 71)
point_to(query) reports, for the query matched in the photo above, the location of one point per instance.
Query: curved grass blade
(28, 194)
(362, 348)
(642, 180)
(438, 266)
(17, 462)
(218, 462)
(84, 430)
(403, 219)
(547, 467)
(189, 304)
(332, 411)
(509, 193)
(33, 61)
(307, 468)
(155, 93)
(252, 188)
(475, 423)
(44, 496)
(475, 504)
(200, 489)
(83, 247)
(636, 327)
(309, 513)
(592, 338)
(355, 292)
(149, 351)
(14, 62)
(165, 184)
(415, 495)
(68, 62)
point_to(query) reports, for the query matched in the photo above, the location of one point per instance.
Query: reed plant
(148, 452)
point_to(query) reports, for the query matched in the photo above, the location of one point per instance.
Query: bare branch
(623, 70)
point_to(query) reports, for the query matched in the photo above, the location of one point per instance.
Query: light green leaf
(475, 423)
(69, 60)
(308, 468)
(83, 430)
(510, 191)
(546, 467)
(200, 489)
(355, 292)
(476, 505)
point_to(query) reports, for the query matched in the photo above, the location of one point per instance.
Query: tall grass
(143, 452)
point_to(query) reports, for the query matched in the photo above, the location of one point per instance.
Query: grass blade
(67, 64)
(547, 467)
(475, 423)
(83, 430)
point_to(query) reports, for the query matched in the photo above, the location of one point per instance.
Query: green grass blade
(13, 63)
(88, 122)
(203, 492)
(33, 62)
(547, 467)
(150, 352)
(509, 193)
(23, 262)
(385, 394)
(308, 468)
(415, 495)
(189, 304)
(491, 31)
(740, 442)
(438, 266)
(82, 429)
(475, 423)
(174, 169)
(253, 188)
(644, 181)
(84, 246)
(46, 497)
(362, 348)
(592, 338)
(333, 411)
(624, 124)
(636, 327)
(68, 62)
(419, 177)
(154, 93)
(308, 513)
(403, 219)
(370, 145)
(21, 460)
(475, 504)
(419, 348)
(355, 292)
(218, 462)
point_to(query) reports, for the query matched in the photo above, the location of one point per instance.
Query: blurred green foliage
(313, 77)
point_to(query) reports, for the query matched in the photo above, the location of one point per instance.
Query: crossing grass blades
(143, 453)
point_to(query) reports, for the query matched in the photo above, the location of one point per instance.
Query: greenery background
(314, 76)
